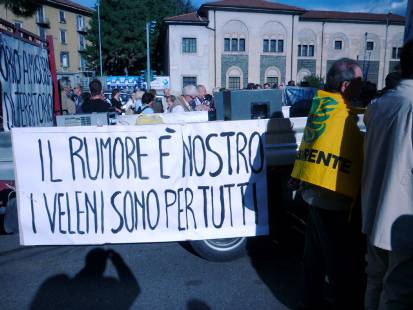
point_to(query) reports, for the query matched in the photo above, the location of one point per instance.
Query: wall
(187, 64)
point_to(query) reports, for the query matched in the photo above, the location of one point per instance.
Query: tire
(220, 250)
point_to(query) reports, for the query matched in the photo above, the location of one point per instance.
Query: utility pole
(100, 41)
(149, 29)
(148, 58)
(365, 52)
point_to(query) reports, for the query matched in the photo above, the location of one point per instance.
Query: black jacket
(96, 105)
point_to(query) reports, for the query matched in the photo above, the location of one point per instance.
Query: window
(266, 46)
(63, 38)
(396, 52)
(62, 18)
(18, 24)
(80, 21)
(234, 45)
(242, 45)
(272, 80)
(83, 63)
(280, 46)
(338, 45)
(234, 82)
(188, 45)
(369, 45)
(311, 50)
(188, 80)
(305, 50)
(227, 45)
(272, 75)
(40, 14)
(82, 42)
(64, 59)
(42, 33)
(273, 46)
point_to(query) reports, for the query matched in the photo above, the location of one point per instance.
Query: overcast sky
(370, 6)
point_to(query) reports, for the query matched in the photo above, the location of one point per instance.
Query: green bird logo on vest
(320, 112)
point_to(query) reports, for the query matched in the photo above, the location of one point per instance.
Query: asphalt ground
(147, 276)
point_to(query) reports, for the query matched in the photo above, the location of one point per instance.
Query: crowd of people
(75, 101)
(192, 98)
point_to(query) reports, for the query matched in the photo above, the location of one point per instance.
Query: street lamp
(365, 52)
(100, 41)
(149, 27)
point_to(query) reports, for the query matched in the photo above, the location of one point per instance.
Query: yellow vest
(331, 152)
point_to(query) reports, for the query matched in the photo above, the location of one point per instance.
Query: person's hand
(201, 107)
(112, 255)
(294, 183)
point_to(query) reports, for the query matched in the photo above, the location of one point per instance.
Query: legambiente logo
(320, 112)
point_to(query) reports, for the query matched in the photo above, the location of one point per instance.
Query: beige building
(67, 22)
(231, 43)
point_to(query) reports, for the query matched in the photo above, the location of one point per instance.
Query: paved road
(145, 276)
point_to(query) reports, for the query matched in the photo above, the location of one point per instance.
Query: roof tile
(254, 4)
(367, 17)
(188, 17)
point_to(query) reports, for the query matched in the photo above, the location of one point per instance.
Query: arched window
(370, 47)
(338, 46)
(272, 76)
(302, 74)
(307, 40)
(235, 37)
(234, 78)
(274, 36)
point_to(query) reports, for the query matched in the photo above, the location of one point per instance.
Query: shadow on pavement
(89, 289)
(277, 258)
(280, 268)
(195, 304)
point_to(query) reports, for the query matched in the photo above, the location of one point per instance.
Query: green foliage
(24, 8)
(124, 34)
(314, 81)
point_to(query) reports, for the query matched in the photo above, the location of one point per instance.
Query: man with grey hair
(189, 94)
(333, 245)
(66, 96)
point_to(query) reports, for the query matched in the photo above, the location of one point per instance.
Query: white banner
(26, 84)
(122, 184)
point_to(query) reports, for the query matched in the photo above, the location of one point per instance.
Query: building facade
(68, 23)
(232, 43)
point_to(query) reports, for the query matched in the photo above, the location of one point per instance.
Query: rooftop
(190, 18)
(70, 5)
(252, 4)
(356, 17)
(200, 17)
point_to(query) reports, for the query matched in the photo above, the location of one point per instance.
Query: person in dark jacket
(96, 103)
(115, 100)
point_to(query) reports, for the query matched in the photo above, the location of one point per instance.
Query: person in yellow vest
(328, 167)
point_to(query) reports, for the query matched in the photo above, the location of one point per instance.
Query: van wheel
(220, 250)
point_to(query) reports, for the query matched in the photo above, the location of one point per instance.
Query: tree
(123, 33)
(314, 81)
(23, 8)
